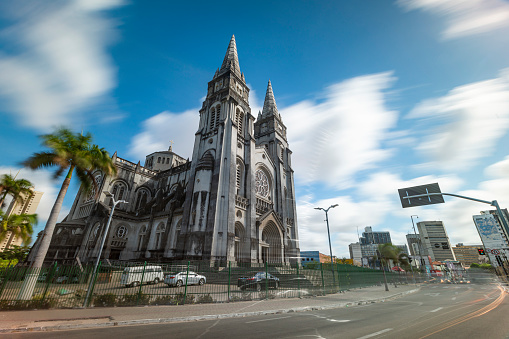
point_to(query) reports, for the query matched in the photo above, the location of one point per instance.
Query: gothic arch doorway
(271, 244)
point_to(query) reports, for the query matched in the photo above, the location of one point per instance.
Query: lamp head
(318, 208)
(336, 205)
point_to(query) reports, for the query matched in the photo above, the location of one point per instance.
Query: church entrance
(271, 244)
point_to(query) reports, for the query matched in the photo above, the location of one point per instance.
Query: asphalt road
(436, 311)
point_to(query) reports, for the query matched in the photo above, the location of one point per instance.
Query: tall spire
(269, 105)
(231, 59)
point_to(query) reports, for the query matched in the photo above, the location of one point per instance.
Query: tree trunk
(29, 284)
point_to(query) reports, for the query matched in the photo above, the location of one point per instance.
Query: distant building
(370, 237)
(355, 252)
(413, 243)
(435, 241)
(493, 236)
(307, 257)
(467, 255)
(404, 249)
(27, 205)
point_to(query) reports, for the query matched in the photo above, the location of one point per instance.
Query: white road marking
(433, 294)
(375, 334)
(339, 321)
(437, 309)
(453, 298)
(257, 321)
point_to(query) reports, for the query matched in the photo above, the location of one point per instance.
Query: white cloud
(334, 139)
(43, 181)
(158, 130)
(465, 17)
(57, 64)
(471, 119)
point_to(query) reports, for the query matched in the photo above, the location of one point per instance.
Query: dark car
(258, 281)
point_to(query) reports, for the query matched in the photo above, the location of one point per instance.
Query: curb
(204, 317)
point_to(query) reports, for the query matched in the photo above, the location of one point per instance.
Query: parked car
(258, 281)
(179, 279)
(133, 276)
(42, 277)
(64, 279)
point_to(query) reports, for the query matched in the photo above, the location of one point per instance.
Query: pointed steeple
(269, 105)
(231, 59)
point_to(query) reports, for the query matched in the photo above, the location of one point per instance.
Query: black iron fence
(130, 284)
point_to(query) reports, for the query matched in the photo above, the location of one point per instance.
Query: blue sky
(376, 95)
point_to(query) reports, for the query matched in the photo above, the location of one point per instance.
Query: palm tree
(18, 253)
(69, 152)
(14, 187)
(20, 225)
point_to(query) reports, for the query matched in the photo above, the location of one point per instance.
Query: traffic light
(481, 251)
(410, 260)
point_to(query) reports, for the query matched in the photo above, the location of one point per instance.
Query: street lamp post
(115, 202)
(328, 233)
(421, 260)
(379, 254)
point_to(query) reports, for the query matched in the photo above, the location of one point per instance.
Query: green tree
(17, 253)
(19, 225)
(9, 185)
(69, 152)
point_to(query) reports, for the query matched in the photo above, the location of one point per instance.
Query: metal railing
(195, 282)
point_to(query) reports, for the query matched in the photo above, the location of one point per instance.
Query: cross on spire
(171, 144)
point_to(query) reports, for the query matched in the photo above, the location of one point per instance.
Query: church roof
(231, 59)
(269, 105)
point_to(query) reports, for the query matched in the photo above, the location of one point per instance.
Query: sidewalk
(61, 319)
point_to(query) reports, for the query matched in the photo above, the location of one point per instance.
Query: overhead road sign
(426, 195)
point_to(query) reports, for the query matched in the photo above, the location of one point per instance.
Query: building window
(239, 120)
(141, 237)
(159, 235)
(158, 160)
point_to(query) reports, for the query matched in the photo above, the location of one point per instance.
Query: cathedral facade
(234, 201)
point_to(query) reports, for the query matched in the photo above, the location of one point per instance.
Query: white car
(179, 279)
(134, 276)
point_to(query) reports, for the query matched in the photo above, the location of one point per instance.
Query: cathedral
(234, 201)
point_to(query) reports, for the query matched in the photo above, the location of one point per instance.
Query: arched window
(159, 235)
(239, 175)
(158, 160)
(119, 192)
(239, 120)
(141, 199)
(93, 192)
(218, 114)
(141, 237)
(212, 118)
(262, 184)
(239, 236)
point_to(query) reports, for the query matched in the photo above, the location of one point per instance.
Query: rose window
(121, 231)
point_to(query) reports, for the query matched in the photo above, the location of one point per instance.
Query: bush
(163, 300)
(203, 299)
(134, 299)
(179, 299)
(105, 300)
(36, 303)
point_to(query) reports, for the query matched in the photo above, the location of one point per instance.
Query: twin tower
(241, 194)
